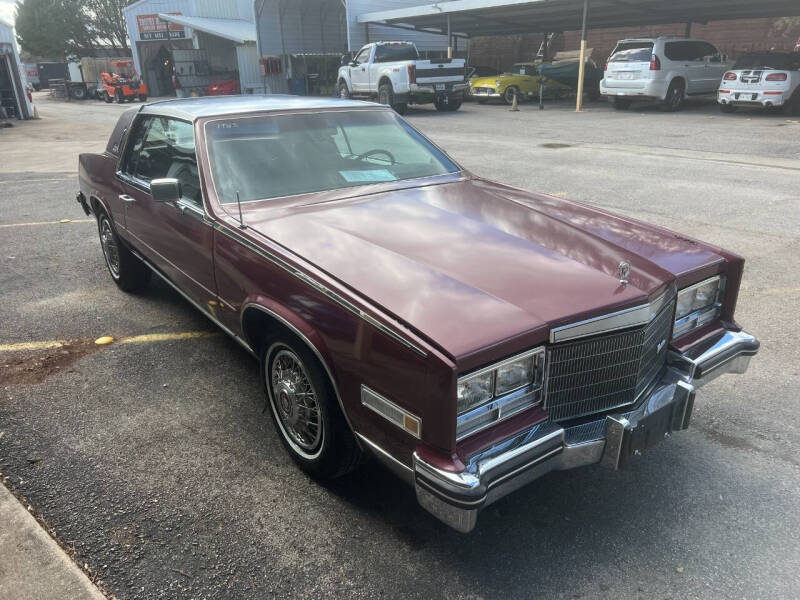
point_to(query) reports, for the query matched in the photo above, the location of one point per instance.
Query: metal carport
(467, 18)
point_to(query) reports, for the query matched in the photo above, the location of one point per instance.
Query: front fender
(288, 319)
(344, 75)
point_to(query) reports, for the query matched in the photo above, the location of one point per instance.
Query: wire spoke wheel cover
(110, 248)
(295, 403)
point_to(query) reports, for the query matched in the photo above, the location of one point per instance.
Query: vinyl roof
(495, 17)
(190, 109)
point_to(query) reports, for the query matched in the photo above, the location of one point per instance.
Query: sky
(7, 10)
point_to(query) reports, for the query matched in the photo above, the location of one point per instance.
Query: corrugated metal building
(13, 81)
(292, 31)
(191, 43)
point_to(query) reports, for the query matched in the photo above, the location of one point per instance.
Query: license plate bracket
(439, 87)
(625, 440)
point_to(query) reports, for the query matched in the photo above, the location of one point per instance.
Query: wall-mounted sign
(153, 28)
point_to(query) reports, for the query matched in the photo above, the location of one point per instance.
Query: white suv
(665, 69)
(763, 80)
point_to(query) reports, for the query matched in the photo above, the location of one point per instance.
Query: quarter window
(681, 51)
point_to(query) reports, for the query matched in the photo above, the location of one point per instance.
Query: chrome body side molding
(340, 300)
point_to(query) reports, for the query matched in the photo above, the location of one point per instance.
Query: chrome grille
(608, 371)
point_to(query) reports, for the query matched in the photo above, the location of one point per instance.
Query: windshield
(766, 61)
(632, 52)
(283, 155)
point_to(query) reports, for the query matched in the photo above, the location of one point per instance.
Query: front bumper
(456, 497)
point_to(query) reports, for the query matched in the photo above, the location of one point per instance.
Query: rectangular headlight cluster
(698, 305)
(499, 391)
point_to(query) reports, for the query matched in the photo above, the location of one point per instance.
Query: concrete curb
(32, 564)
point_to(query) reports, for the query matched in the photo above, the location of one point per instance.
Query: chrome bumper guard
(456, 497)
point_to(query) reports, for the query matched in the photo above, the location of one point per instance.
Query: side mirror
(165, 190)
(344, 61)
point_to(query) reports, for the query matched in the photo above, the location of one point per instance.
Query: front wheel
(343, 91)
(305, 410)
(108, 99)
(118, 96)
(508, 95)
(676, 93)
(142, 97)
(128, 272)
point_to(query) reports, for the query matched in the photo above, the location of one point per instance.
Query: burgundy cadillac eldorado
(469, 335)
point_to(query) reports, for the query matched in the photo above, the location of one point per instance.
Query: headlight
(475, 390)
(697, 305)
(499, 391)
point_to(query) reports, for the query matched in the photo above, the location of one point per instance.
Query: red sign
(153, 28)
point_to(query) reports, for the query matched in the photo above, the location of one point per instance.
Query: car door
(176, 237)
(714, 66)
(359, 74)
(697, 69)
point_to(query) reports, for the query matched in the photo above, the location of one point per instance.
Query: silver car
(662, 69)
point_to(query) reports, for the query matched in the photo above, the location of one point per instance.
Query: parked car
(393, 74)
(475, 72)
(227, 87)
(469, 335)
(762, 80)
(662, 69)
(521, 80)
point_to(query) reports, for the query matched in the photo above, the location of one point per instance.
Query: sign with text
(153, 28)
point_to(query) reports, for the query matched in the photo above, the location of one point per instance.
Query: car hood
(472, 265)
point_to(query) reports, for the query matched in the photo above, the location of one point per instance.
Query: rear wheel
(142, 97)
(108, 99)
(305, 410)
(676, 93)
(727, 108)
(622, 103)
(78, 92)
(128, 272)
(508, 95)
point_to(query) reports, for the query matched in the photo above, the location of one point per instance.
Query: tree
(61, 28)
(108, 21)
(54, 28)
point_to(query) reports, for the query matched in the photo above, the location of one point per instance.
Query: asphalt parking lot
(151, 461)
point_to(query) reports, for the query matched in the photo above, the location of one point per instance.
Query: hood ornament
(624, 270)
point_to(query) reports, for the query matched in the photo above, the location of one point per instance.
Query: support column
(449, 39)
(582, 66)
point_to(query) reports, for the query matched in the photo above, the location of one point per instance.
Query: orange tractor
(123, 84)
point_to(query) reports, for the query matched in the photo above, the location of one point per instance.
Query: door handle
(126, 198)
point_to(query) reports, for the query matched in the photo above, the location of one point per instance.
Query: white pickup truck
(393, 74)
